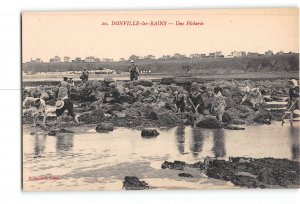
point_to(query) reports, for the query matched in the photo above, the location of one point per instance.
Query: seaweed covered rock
(176, 165)
(185, 175)
(149, 133)
(133, 183)
(104, 127)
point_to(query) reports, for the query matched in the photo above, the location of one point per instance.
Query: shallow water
(89, 160)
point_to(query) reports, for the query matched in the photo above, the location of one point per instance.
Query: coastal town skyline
(217, 54)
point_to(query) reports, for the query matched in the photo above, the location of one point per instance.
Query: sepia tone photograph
(160, 99)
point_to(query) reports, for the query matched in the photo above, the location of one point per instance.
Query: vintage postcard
(160, 99)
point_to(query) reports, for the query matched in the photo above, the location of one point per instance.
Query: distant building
(195, 56)
(149, 57)
(252, 54)
(238, 54)
(211, 55)
(280, 53)
(97, 60)
(56, 59)
(166, 57)
(218, 54)
(37, 60)
(66, 59)
(122, 59)
(203, 55)
(178, 56)
(107, 60)
(77, 59)
(269, 53)
(90, 59)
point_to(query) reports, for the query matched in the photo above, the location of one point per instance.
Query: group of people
(195, 100)
(37, 106)
(217, 102)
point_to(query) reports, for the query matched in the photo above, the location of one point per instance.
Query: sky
(81, 34)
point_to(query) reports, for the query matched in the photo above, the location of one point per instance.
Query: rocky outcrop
(247, 172)
(133, 183)
(104, 127)
(149, 133)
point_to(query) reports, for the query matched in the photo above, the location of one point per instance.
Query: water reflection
(219, 143)
(197, 141)
(294, 140)
(39, 144)
(64, 143)
(180, 138)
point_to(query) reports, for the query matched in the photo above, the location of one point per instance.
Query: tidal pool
(88, 160)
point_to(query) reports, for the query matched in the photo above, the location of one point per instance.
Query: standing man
(293, 103)
(63, 89)
(134, 71)
(84, 75)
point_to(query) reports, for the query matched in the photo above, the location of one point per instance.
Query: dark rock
(167, 81)
(133, 183)
(104, 127)
(108, 80)
(245, 181)
(185, 175)
(143, 83)
(152, 116)
(52, 133)
(149, 133)
(176, 165)
(220, 169)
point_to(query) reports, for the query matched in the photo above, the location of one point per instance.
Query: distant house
(178, 56)
(149, 57)
(252, 54)
(90, 59)
(203, 55)
(107, 60)
(166, 57)
(37, 60)
(56, 59)
(238, 54)
(195, 56)
(269, 53)
(211, 55)
(77, 59)
(218, 54)
(66, 59)
(280, 53)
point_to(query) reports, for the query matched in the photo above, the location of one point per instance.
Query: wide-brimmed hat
(59, 104)
(131, 61)
(294, 82)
